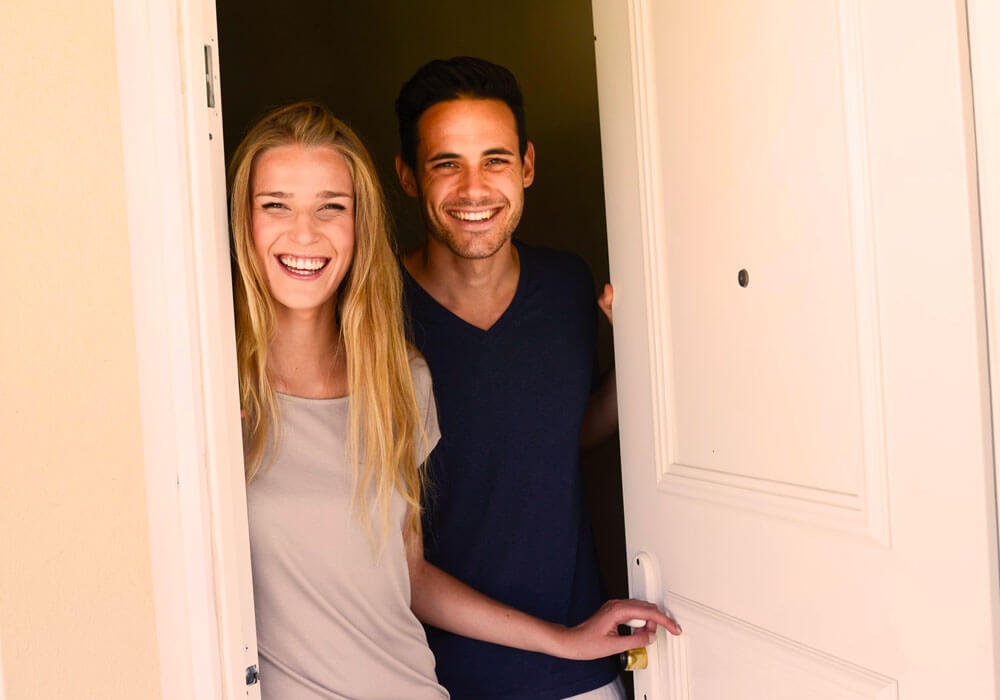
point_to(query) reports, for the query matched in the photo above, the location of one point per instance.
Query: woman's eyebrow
(279, 195)
(328, 194)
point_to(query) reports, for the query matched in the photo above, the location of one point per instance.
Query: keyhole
(743, 278)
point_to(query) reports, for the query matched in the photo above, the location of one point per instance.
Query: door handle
(634, 659)
(644, 584)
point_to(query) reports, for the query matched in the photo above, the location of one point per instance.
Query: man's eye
(497, 161)
(445, 164)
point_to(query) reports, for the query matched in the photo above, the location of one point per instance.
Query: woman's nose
(303, 232)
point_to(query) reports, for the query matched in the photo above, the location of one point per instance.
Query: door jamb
(984, 57)
(185, 343)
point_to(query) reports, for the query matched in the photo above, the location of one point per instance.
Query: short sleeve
(424, 390)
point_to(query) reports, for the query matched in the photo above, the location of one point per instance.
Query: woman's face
(302, 218)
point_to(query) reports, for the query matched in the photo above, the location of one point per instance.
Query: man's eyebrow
(442, 156)
(497, 151)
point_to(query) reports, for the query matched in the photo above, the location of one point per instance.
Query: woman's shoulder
(420, 372)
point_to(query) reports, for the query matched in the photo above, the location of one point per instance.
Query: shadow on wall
(355, 56)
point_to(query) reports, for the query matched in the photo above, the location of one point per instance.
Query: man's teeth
(298, 264)
(474, 215)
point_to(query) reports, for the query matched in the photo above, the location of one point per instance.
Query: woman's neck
(306, 356)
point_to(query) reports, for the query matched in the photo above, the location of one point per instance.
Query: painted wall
(76, 596)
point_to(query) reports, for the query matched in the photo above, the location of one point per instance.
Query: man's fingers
(606, 300)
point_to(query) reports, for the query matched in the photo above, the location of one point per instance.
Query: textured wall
(76, 597)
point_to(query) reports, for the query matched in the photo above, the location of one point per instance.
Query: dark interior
(354, 56)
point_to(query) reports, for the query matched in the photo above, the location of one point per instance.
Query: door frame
(984, 59)
(176, 202)
(185, 343)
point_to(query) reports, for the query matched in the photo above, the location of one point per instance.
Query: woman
(338, 417)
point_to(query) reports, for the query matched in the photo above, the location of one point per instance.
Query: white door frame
(175, 193)
(182, 301)
(984, 50)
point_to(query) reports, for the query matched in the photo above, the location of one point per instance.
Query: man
(508, 331)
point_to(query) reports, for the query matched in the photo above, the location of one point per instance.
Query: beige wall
(76, 598)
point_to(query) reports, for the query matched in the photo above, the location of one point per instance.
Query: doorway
(355, 56)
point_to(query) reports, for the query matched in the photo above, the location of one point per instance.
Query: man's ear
(528, 164)
(406, 177)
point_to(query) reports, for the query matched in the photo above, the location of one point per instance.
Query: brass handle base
(634, 659)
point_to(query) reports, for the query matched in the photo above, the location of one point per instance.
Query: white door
(800, 339)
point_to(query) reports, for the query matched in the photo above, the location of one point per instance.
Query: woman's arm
(443, 601)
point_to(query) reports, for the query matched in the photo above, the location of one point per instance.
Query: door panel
(806, 455)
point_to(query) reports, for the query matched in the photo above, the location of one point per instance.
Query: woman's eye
(333, 206)
(272, 205)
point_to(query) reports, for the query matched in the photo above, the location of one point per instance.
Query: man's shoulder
(553, 264)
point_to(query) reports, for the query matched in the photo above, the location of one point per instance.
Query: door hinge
(252, 675)
(209, 77)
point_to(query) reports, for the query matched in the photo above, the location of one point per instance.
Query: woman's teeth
(302, 265)
(474, 215)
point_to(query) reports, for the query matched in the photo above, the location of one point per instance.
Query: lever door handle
(644, 584)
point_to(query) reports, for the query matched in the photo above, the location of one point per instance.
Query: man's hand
(598, 636)
(601, 418)
(605, 300)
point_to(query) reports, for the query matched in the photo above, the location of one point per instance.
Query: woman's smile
(304, 268)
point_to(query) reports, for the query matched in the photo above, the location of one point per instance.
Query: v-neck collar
(448, 315)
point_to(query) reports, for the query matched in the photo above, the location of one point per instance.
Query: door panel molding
(862, 510)
(755, 657)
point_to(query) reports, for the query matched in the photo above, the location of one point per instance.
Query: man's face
(469, 175)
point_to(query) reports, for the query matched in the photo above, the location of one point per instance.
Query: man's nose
(474, 183)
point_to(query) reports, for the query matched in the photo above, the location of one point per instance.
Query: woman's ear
(406, 177)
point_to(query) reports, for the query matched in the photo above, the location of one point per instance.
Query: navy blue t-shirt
(505, 510)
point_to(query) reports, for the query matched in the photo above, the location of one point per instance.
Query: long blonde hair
(384, 425)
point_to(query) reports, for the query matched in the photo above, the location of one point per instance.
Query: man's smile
(473, 214)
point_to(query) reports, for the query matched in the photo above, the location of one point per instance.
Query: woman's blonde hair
(384, 425)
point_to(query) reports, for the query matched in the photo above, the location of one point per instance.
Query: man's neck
(476, 290)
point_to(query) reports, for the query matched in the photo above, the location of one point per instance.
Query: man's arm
(443, 601)
(601, 419)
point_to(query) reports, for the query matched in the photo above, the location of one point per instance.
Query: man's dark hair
(458, 77)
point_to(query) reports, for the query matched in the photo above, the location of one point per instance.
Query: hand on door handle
(598, 636)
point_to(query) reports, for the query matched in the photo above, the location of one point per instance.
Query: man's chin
(473, 248)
